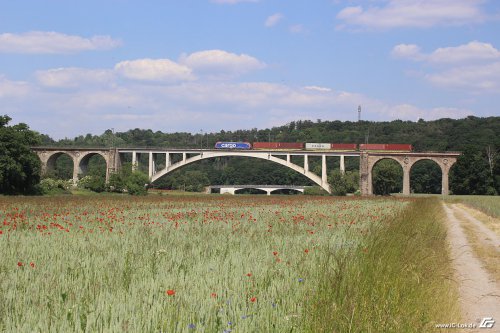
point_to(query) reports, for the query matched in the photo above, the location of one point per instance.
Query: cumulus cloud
(156, 70)
(472, 67)
(220, 64)
(274, 19)
(473, 51)
(73, 77)
(43, 42)
(483, 78)
(13, 88)
(413, 13)
(318, 89)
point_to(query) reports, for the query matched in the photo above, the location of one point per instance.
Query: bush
(315, 190)
(93, 183)
(136, 183)
(54, 186)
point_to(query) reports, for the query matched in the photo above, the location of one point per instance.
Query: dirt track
(479, 291)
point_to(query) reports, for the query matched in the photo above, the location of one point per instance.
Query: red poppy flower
(306, 250)
(32, 264)
(253, 299)
(170, 292)
(249, 274)
(20, 264)
(275, 253)
(213, 295)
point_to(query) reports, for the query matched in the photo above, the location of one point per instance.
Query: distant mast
(359, 113)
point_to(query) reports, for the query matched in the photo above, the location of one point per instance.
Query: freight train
(315, 146)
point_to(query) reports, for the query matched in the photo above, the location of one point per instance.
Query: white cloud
(220, 64)
(42, 42)
(483, 78)
(412, 112)
(13, 88)
(157, 70)
(274, 19)
(407, 51)
(73, 77)
(413, 13)
(318, 89)
(473, 67)
(473, 51)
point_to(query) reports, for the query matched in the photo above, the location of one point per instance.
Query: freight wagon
(278, 145)
(386, 147)
(318, 146)
(233, 145)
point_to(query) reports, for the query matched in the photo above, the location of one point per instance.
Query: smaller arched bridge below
(232, 189)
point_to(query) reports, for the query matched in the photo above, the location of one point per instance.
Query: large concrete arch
(260, 155)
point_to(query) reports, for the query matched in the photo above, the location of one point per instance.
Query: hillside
(475, 173)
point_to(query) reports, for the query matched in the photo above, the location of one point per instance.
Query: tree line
(476, 172)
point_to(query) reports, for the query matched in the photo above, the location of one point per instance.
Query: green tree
(19, 166)
(387, 177)
(136, 183)
(471, 174)
(338, 183)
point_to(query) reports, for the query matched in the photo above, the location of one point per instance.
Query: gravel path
(479, 292)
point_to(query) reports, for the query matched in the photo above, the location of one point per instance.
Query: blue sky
(75, 67)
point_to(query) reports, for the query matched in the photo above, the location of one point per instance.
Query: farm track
(479, 290)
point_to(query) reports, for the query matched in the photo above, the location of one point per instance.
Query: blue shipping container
(233, 145)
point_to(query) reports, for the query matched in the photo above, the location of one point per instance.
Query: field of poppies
(176, 263)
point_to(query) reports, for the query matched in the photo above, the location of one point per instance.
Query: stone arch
(83, 161)
(49, 160)
(416, 160)
(260, 155)
(373, 160)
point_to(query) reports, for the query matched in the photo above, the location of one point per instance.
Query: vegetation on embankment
(398, 280)
(487, 204)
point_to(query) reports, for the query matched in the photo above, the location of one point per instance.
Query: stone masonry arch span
(445, 162)
(80, 158)
(431, 164)
(260, 155)
(83, 161)
(375, 161)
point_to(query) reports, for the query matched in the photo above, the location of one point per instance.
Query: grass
(487, 204)
(398, 280)
(218, 263)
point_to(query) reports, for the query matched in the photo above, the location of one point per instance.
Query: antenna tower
(359, 113)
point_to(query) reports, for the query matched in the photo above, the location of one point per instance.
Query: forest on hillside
(477, 171)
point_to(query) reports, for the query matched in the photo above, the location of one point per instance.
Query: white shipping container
(318, 145)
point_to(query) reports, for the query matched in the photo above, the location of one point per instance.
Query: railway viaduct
(177, 158)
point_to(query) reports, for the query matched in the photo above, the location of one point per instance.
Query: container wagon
(344, 146)
(318, 146)
(278, 145)
(386, 147)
